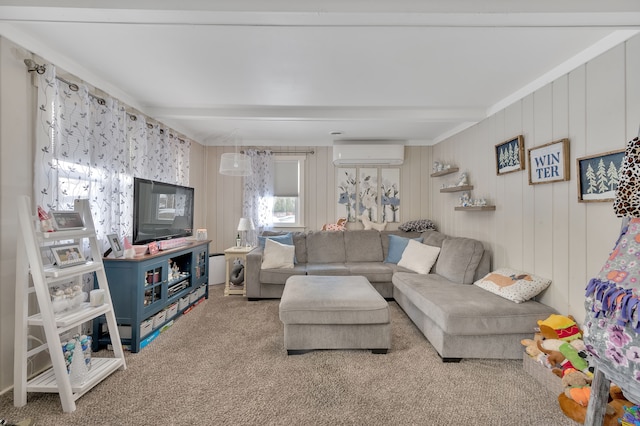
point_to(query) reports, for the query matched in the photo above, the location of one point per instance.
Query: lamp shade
(245, 224)
(235, 164)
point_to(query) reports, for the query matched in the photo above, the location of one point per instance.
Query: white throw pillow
(419, 257)
(277, 255)
(513, 285)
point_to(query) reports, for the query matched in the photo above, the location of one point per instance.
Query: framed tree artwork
(510, 156)
(598, 176)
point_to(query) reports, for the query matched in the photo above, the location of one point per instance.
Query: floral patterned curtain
(89, 147)
(257, 196)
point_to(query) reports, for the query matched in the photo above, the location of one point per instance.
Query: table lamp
(245, 224)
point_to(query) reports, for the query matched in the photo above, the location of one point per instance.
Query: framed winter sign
(510, 156)
(549, 162)
(598, 176)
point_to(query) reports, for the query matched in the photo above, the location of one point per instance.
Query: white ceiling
(290, 72)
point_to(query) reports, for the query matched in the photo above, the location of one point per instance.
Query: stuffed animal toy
(577, 386)
(615, 408)
(560, 327)
(372, 225)
(339, 226)
(563, 359)
(531, 346)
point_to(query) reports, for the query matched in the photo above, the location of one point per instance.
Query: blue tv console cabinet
(149, 291)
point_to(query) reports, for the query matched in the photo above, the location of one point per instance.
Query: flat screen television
(161, 211)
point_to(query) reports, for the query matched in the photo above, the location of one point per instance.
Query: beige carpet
(224, 364)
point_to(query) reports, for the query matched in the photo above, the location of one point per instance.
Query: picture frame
(66, 220)
(549, 162)
(116, 246)
(598, 176)
(510, 156)
(68, 255)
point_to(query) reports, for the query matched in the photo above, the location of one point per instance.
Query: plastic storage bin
(216, 268)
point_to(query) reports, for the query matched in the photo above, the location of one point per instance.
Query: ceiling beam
(292, 113)
(610, 17)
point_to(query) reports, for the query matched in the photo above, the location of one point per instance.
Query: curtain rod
(40, 69)
(311, 152)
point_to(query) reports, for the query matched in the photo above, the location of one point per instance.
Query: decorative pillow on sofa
(419, 257)
(397, 245)
(283, 239)
(513, 285)
(277, 255)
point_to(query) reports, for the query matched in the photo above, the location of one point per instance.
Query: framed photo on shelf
(66, 220)
(549, 162)
(116, 246)
(510, 156)
(68, 255)
(598, 176)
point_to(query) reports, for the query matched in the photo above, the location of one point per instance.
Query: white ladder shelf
(31, 242)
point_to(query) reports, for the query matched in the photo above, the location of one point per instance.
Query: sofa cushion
(459, 258)
(513, 285)
(397, 245)
(461, 309)
(277, 255)
(375, 272)
(327, 300)
(419, 257)
(281, 238)
(332, 269)
(300, 241)
(433, 238)
(384, 238)
(363, 246)
(325, 247)
(280, 275)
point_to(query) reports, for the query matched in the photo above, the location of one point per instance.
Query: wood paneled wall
(542, 228)
(224, 193)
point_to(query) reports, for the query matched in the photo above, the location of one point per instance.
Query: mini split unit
(368, 152)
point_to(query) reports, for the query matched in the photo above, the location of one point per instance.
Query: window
(288, 202)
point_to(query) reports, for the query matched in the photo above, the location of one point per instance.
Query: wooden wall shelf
(475, 208)
(445, 172)
(457, 188)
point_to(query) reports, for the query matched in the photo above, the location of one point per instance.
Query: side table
(231, 254)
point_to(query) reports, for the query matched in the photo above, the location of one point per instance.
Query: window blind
(286, 178)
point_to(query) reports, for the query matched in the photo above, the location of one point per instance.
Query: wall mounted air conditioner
(372, 154)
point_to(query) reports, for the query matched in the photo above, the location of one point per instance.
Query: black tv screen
(161, 211)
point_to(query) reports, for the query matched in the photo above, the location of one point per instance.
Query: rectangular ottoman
(334, 312)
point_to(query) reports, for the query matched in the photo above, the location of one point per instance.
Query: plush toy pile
(559, 346)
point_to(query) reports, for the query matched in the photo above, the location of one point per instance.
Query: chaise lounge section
(459, 319)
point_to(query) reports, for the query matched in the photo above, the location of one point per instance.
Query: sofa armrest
(252, 272)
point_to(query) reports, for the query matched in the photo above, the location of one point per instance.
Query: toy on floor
(631, 415)
(531, 346)
(616, 408)
(368, 224)
(560, 327)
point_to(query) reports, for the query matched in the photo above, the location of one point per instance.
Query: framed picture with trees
(598, 176)
(510, 156)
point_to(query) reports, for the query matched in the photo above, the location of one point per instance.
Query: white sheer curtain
(89, 147)
(257, 196)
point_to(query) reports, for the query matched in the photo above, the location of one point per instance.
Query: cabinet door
(154, 279)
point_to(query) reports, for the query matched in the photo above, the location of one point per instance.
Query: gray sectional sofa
(458, 318)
